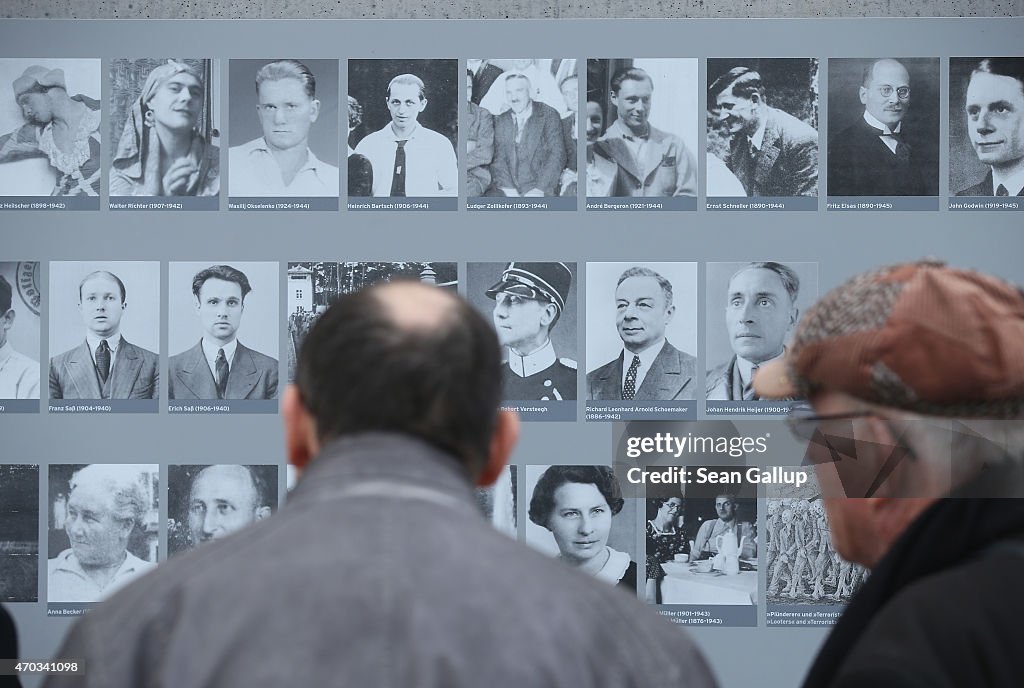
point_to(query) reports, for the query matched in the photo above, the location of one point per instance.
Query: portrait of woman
(165, 146)
(665, 539)
(577, 505)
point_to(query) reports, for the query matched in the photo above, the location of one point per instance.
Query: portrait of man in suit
(994, 106)
(760, 313)
(878, 155)
(649, 367)
(219, 366)
(771, 152)
(650, 162)
(407, 158)
(105, 365)
(529, 153)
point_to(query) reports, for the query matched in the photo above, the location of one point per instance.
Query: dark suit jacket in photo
(667, 168)
(672, 376)
(786, 164)
(859, 164)
(483, 80)
(135, 375)
(253, 375)
(479, 132)
(982, 188)
(536, 162)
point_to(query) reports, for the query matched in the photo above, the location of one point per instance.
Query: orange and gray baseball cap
(922, 336)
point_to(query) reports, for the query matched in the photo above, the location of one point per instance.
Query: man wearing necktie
(219, 366)
(651, 162)
(105, 365)
(995, 122)
(771, 152)
(407, 158)
(649, 367)
(759, 314)
(872, 157)
(529, 153)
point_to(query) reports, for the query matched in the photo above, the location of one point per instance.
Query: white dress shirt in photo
(430, 165)
(253, 171)
(19, 374)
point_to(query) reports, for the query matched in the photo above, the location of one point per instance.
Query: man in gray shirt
(381, 571)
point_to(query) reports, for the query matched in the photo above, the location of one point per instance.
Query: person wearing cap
(914, 377)
(19, 374)
(61, 128)
(655, 369)
(528, 301)
(759, 314)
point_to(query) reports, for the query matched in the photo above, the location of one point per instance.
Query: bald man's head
(406, 358)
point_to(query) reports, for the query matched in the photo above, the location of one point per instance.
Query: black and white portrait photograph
(762, 125)
(105, 330)
(50, 127)
(752, 309)
(20, 301)
(802, 563)
(313, 286)
(522, 127)
(578, 515)
(103, 527)
(667, 544)
(883, 126)
(534, 310)
(208, 502)
(647, 109)
(720, 523)
(283, 128)
(641, 331)
(408, 128)
(223, 330)
(986, 126)
(498, 502)
(19, 533)
(165, 125)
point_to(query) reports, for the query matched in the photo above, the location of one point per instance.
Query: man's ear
(506, 434)
(863, 96)
(300, 436)
(261, 513)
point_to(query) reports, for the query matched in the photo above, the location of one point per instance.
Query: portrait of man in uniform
(219, 366)
(529, 300)
(105, 365)
(648, 367)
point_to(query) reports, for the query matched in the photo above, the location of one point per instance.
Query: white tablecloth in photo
(682, 585)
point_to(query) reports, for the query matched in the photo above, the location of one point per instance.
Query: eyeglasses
(903, 92)
(803, 422)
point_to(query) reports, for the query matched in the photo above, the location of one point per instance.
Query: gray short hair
(408, 80)
(790, 280)
(122, 483)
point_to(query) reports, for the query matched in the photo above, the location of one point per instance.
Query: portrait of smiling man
(105, 365)
(761, 309)
(648, 366)
(994, 109)
(219, 366)
(209, 502)
(281, 163)
(99, 508)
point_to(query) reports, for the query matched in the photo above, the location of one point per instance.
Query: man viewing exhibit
(381, 569)
(914, 376)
